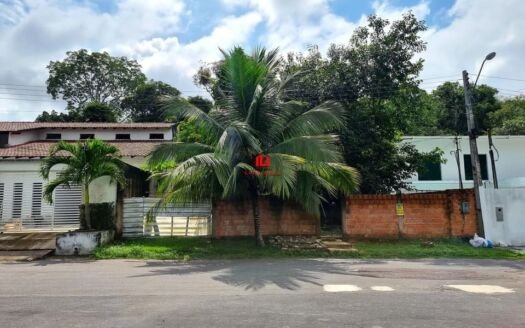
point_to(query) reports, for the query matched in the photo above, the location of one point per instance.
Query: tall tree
(84, 162)
(378, 65)
(84, 77)
(510, 118)
(450, 100)
(252, 120)
(200, 102)
(145, 102)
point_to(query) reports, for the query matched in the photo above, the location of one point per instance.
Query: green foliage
(83, 77)
(250, 118)
(510, 119)
(375, 77)
(98, 112)
(202, 103)
(450, 100)
(54, 116)
(145, 103)
(84, 162)
(102, 216)
(189, 131)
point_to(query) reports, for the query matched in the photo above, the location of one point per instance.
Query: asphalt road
(262, 293)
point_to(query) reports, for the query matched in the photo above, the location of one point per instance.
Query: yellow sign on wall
(400, 210)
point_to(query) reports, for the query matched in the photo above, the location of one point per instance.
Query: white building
(510, 162)
(24, 144)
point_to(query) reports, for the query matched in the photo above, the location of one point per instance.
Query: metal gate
(22, 208)
(184, 219)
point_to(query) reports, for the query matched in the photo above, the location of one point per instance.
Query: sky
(172, 38)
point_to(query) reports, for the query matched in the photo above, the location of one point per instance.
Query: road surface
(262, 293)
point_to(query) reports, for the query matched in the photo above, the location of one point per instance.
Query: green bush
(102, 216)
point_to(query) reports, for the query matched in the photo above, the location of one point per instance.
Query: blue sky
(172, 38)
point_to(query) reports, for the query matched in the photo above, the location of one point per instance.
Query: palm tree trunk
(257, 221)
(87, 210)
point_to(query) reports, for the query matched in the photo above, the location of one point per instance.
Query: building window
(16, 211)
(156, 135)
(430, 171)
(4, 139)
(36, 201)
(84, 136)
(53, 136)
(482, 164)
(122, 136)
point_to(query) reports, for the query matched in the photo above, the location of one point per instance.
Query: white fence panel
(188, 219)
(504, 214)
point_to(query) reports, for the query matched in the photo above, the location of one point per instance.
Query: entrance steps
(27, 241)
(338, 245)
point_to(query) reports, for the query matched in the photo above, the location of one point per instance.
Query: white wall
(510, 167)
(74, 134)
(511, 230)
(27, 172)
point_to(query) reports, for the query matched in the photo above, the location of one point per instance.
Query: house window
(17, 200)
(1, 199)
(430, 171)
(36, 201)
(122, 136)
(482, 163)
(4, 139)
(156, 135)
(84, 136)
(53, 136)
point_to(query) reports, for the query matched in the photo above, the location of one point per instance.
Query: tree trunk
(87, 210)
(257, 220)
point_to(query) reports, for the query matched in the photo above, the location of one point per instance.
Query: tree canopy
(84, 77)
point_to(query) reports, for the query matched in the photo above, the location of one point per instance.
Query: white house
(24, 144)
(509, 160)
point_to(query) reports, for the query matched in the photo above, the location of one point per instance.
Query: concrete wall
(510, 166)
(234, 219)
(510, 228)
(431, 215)
(74, 134)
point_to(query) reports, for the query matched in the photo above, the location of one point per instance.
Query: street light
(487, 57)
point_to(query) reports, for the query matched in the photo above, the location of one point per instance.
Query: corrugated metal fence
(188, 219)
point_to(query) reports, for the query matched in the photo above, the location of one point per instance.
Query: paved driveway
(262, 293)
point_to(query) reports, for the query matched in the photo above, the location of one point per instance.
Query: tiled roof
(21, 126)
(38, 149)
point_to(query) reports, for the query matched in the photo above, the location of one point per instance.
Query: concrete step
(337, 249)
(338, 244)
(13, 256)
(27, 241)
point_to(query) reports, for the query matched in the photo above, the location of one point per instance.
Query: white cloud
(478, 27)
(33, 32)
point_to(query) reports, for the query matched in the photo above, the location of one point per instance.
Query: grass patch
(201, 248)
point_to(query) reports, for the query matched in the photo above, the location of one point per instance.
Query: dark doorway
(331, 215)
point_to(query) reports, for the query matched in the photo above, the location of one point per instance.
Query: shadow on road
(254, 275)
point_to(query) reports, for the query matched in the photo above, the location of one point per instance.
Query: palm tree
(85, 162)
(250, 118)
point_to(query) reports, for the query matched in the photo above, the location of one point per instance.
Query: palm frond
(325, 118)
(319, 148)
(177, 151)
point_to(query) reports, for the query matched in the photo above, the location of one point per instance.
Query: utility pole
(474, 157)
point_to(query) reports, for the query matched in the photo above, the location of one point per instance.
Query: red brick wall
(233, 219)
(429, 215)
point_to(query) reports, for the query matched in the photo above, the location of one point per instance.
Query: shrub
(102, 216)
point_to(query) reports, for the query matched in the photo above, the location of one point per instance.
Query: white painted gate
(22, 207)
(188, 219)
